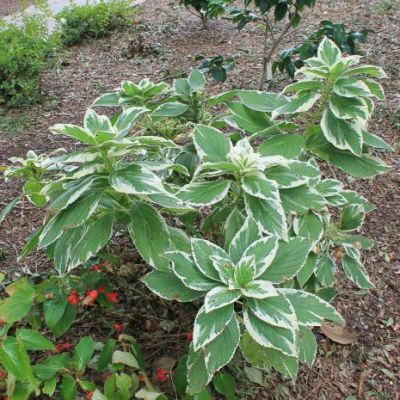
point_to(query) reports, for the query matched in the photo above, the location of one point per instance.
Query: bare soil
(172, 38)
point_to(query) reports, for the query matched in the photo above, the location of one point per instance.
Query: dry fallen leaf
(338, 333)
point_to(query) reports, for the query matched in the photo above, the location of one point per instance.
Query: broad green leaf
(261, 101)
(263, 251)
(219, 297)
(75, 132)
(350, 87)
(276, 310)
(250, 120)
(375, 141)
(233, 224)
(301, 199)
(329, 52)
(65, 314)
(271, 336)
(204, 193)
(245, 236)
(170, 109)
(325, 269)
(107, 100)
(342, 134)
(185, 269)
(302, 103)
(150, 234)
(308, 226)
(363, 167)
(356, 272)
(126, 358)
(261, 187)
(49, 387)
(197, 375)
(208, 325)
(352, 217)
(263, 357)
(97, 235)
(375, 88)
(307, 346)
(268, 214)
(211, 144)
(51, 366)
(196, 81)
(106, 355)
(371, 70)
(33, 340)
(15, 358)
(127, 120)
(179, 239)
(225, 384)
(202, 251)
(356, 241)
(285, 145)
(169, 287)
(348, 107)
(222, 349)
(19, 303)
(72, 216)
(289, 259)
(149, 395)
(135, 180)
(310, 309)
(68, 388)
(304, 85)
(94, 122)
(83, 352)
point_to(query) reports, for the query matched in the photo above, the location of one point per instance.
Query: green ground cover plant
(225, 202)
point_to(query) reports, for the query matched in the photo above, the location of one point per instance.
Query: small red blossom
(162, 374)
(63, 346)
(142, 378)
(113, 297)
(189, 336)
(74, 298)
(2, 374)
(91, 296)
(89, 395)
(102, 289)
(96, 267)
(118, 327)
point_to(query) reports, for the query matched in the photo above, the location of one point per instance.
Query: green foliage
(218, 67)
(80, 22)
(261, 260)
(207, 9)
(24, 52)
(292, 59)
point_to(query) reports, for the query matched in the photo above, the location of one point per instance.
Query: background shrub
(93, 20)
(24, 51)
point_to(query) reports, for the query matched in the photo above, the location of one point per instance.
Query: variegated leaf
(259, 289)
(219, 297)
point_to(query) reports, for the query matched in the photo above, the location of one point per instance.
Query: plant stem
(275, 43)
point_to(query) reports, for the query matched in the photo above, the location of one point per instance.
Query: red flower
(118, 327)
(89, 395)
(142, 378)
(102, 289)
(63, 346)
(2, 374)
(113, 297)
(96, 267)
(162, 374)
(189, 336)
(91, 296)
(74, 298)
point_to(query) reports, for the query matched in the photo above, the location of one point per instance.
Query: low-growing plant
(25, 50)
(207, 9)
(80, 22)
(268, 13)
(292, 59)
(260, 263)
(218, 67)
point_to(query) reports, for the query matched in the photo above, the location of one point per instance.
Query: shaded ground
(172, 38)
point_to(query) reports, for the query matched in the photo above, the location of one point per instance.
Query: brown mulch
(367, 369)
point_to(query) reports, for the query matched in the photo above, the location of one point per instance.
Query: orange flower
(96, 267)
(91, 296)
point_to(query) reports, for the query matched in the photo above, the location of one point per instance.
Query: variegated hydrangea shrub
(246, 185)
